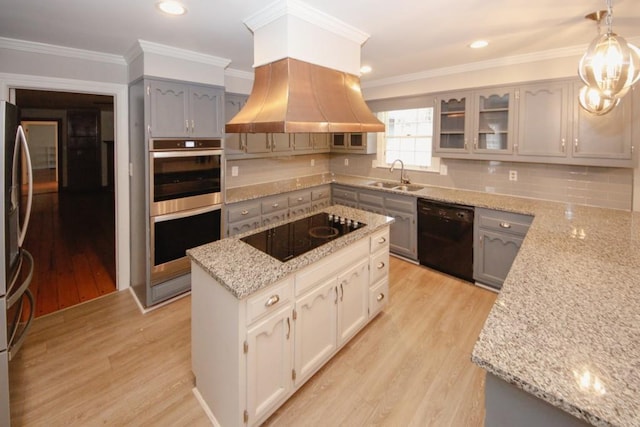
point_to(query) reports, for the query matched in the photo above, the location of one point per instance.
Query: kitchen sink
(383, 184)
(408, 187)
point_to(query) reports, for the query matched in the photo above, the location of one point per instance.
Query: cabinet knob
(505, 225)
(245, 212)
(380, 265)
(274, 299)
(275, 205)
(299, 199)
(382, 240)
(380, 297)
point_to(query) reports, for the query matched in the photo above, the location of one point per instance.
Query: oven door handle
(185, 214)
(186, 153)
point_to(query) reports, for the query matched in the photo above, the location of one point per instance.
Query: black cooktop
(290, 240)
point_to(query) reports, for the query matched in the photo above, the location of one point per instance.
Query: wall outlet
(346, 161)
(234, 170)
(313, 162)
(513, 175)
(443, 170)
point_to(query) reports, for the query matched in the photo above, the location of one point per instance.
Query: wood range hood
(294, 96)
(306, 77)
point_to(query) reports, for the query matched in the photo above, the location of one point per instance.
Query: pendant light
(610, 64)
(595, 102)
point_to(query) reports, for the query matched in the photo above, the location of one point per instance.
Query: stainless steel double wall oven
(185, 202)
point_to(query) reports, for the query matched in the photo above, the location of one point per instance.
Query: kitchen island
(565, 329)
(262, 327)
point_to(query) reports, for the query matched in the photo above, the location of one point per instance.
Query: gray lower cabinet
(498, 236)
(403, 232)
(245, 216)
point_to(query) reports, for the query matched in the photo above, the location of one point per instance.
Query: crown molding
(143, 46)
(232, 72)
(69, 52)
(484, 65)
(305, 12)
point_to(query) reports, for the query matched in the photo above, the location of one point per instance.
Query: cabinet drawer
(371, 199)
(275, 204)
(242, 212)
(345, 194)
(320, 194)
(404, 204)
(505, 222)
(379, 266)
(299, 199)
(380, 240)
(378, 297)
(269, 300)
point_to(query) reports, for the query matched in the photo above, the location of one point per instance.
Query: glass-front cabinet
(493, 127)
(452, 123)
(475, 122)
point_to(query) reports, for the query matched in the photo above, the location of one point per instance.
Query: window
(408, 136)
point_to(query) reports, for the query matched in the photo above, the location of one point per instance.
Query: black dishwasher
(445, 238)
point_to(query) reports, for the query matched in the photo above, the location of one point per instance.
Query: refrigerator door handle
(14, 347)
(13, 297)
(21, 142)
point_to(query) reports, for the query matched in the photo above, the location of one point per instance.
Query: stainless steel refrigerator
(16, 265)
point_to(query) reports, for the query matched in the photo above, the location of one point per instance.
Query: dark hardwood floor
(72, 239)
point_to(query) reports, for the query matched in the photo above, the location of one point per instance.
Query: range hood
(304, 81)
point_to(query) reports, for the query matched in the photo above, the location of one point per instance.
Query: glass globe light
(593, 101)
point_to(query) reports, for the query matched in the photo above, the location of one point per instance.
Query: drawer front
(380, 240)
(319, 194)
(379, 266)
(275, 204)
(299, 199)
(269, 300)
(378, 297)
(505, 222)
(242, 212)
(371, 199)
(345, 194)
(405, 204)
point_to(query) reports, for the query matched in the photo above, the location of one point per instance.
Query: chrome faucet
(403, 178)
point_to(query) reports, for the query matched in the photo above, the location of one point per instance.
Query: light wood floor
(104, 363)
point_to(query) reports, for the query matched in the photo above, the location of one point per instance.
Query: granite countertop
(243, 270)
(566, 324)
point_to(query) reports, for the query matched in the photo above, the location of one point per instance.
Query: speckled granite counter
(566, 324)
(243, 270)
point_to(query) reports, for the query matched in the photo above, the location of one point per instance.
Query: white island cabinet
(251, 350)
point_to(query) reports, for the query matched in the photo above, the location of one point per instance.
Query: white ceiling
(407, 36)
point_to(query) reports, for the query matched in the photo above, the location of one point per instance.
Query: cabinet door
(493, 121)
(232, 105)
(353, 295)
(302, 142)
(493, 259)
(452, 122)
(243, 226)
(403, 234)
(168, 105)
(602, 137)
(205, 112)
(543, 117)
(321, 141)
(274, 217)
(300, 210)
(269, 363)
(315, 329)
(280, 142)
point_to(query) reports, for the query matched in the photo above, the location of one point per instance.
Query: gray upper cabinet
(452, 123)
(493, 121)
(184, 110)
(357, 143)
(233, 103)
(543, 120)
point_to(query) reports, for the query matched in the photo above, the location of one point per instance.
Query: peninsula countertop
(566, 324)
(243, 269)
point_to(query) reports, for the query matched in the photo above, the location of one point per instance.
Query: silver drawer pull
(272, 300)
(505, 225)
(300, 199)
(275, 205)
(380, 265)
(382, 240)
(244, 213)
(380, 297)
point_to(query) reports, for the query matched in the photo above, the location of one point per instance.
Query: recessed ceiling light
(479, 44)
(366, 69)
(171, 7)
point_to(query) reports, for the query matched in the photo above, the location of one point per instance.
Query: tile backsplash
(586, 185)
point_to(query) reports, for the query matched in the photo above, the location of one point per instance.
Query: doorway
(72, 229)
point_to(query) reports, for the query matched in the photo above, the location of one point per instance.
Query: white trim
(69, 52)
(232, 72)
(305, 12)
(121, 147)
(143, 46)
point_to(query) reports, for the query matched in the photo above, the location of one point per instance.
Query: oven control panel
(185, 144)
